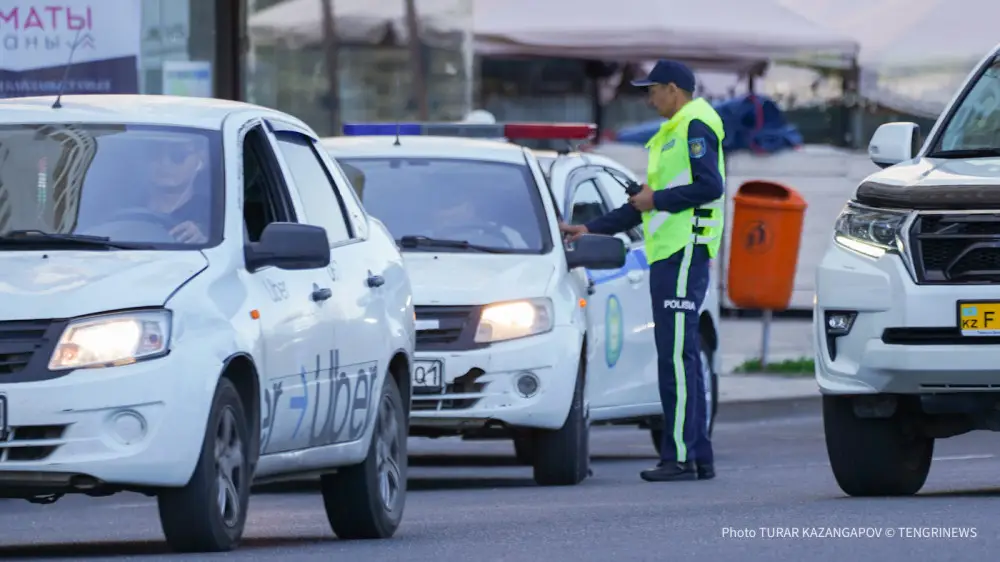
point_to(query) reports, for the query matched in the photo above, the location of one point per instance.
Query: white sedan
(194, 301)
(518, 336)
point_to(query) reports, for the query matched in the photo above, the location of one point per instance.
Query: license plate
(979, 318)
(428, 376)
(4, 428)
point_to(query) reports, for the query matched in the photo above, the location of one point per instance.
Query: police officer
(681, 211)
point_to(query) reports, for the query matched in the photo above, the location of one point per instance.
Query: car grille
(956, 248)
(19, 341)
(454, 330)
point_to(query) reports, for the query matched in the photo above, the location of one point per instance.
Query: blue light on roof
(382, 129)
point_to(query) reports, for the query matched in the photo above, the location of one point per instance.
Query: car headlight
(113, 339)
(869, 231)
(514, 319)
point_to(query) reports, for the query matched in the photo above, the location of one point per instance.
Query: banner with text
(37, 38)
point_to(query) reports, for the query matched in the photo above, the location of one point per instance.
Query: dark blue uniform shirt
(706, 186)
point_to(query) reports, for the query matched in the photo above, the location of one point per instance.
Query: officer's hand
(643, 200)
(572, 231)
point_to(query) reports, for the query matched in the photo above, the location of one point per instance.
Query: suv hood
(471, 279)
(66, 284)
(935, 183)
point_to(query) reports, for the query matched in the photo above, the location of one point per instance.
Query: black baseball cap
(667, 71)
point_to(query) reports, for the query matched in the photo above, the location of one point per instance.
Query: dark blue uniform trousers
(678, 286)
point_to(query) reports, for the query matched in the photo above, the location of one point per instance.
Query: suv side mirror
(288, 245)
(893, 143)
(597, 251)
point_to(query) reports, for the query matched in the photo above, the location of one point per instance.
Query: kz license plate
(4, 428)
(979, 318)
(428, 376)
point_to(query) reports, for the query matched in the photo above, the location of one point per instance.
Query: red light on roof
(550, 131)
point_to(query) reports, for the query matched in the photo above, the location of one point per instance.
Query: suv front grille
(956, 248)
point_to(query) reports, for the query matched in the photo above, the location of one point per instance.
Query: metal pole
(765, 338)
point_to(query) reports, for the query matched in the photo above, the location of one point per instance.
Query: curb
(760, 410)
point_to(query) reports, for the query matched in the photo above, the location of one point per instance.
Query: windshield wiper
(42, 238)
(966, 153)
(428, 242)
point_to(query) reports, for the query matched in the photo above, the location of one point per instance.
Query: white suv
(907, 314)
(192, 300)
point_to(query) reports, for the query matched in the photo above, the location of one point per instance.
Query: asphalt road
(771, 474)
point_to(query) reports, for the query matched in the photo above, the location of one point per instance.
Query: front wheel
(562, 457)
(874, 456)
(366, 501)
(208, 515)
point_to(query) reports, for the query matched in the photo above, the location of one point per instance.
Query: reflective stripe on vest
(669, 167)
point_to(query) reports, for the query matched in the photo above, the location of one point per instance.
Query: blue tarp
(751, 122)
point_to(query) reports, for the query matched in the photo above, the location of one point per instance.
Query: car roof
(204, 113)
(424, 147)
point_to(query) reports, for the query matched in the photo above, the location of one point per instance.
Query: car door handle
(635, 276)
(321, 294)
(375, 280)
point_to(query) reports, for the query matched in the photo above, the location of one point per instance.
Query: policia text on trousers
(681, 211)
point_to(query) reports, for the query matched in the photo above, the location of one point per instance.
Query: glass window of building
(379, 74)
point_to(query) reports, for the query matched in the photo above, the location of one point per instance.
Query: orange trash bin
(764, 246)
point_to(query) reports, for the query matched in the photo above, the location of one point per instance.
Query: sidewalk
(749, 396)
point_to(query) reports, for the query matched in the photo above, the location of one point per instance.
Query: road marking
(964, 458)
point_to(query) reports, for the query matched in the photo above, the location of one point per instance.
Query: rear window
(487, 203)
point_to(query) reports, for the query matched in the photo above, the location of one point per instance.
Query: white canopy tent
(914, 53)
(718, 34)
(711, 34)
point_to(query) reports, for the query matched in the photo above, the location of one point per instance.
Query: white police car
(517, 336)
(908, 297)
(192, 300)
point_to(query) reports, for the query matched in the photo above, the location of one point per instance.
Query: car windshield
(493, 205)
(974, 124)
(158, 187)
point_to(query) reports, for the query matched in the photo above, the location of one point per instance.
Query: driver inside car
(174, 168)
(466, 219)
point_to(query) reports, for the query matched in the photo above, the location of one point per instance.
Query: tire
(874, 457)
(366, 501)
(562, 456)
(524, 448)
(711, 394)
(191, 517)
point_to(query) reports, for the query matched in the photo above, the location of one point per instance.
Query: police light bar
(513, 131)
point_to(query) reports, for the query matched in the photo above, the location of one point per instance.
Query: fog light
(838, 323)
(128, 426)
(527, 384)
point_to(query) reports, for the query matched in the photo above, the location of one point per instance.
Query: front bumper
(481, 385)
(905, 339)
(132, 426)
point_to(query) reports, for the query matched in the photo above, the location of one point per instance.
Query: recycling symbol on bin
(757, 237)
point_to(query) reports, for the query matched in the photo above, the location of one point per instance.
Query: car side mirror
(893, 143)
(291, 246)
(597, 251)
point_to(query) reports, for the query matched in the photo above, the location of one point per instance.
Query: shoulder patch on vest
(668, 146)
(697, 147)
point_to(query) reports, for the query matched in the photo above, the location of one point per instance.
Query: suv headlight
(869, 231)
(112, 340)
(514, 319)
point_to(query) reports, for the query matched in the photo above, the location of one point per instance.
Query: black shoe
(670, 472)
(706, 471)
